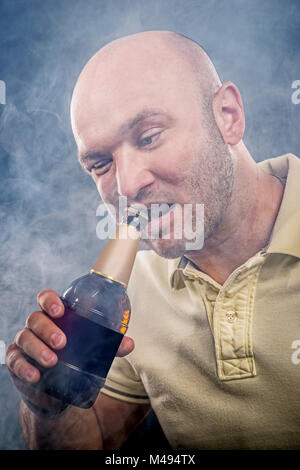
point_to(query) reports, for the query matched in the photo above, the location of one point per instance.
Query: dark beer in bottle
(97, 312)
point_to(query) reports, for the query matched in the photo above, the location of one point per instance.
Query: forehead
(113, 90)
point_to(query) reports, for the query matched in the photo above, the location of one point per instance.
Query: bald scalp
(187, 54)
(188, 51)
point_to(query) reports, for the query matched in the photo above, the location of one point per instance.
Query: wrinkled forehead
(119, 84)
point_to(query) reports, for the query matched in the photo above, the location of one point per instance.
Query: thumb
(126, 346)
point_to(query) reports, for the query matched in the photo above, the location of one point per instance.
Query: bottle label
(90, 347)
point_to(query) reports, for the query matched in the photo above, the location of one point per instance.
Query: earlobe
(229, 113)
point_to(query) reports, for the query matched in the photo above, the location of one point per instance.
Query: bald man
(210, 342)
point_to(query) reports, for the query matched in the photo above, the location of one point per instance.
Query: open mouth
(155, 220)
(155, 211)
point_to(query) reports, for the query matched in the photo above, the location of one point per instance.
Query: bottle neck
(108, 277)
(117, 258)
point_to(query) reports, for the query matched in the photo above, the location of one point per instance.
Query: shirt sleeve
(123, 383)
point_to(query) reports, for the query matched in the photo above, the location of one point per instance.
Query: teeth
(152, 211)
(136, 211)
(163, 209)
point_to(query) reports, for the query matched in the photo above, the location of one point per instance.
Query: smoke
(48, 205)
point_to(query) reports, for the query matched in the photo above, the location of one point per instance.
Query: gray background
(48, 205)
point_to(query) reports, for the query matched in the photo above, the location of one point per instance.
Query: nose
(132, 174)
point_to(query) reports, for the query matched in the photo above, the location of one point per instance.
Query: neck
(247, 225)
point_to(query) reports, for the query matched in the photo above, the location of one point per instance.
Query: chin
(169, 249)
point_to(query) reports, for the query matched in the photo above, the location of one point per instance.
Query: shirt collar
(179, 269)
(285, 238)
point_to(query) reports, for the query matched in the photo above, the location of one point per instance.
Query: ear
(229, 113)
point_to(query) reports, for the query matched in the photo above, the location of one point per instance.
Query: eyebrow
(89, 156)
(141, 116)
(125, 128)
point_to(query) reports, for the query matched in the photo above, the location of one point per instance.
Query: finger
(50, 302)
(34, 395)
(43, 327)
(17, 365)
(126, 346)
(28, 342)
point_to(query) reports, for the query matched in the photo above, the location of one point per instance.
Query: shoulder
(281, 166)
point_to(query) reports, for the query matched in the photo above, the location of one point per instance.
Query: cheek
(107, 188)
(173, 162)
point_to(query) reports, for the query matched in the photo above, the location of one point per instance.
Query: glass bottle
(97, 312)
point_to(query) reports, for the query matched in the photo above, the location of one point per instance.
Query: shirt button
(231, 316)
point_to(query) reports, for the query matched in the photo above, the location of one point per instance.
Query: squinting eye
(99, 165)
(148, 140)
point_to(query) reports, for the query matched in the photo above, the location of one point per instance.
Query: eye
(100, 167)
(148, 139)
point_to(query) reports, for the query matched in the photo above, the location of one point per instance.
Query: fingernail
(47, 356)
(56, 339)
(30, 373)
(55, 310)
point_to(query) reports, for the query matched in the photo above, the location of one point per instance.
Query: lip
(146, 209)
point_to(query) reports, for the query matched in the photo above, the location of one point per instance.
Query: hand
(39, 340)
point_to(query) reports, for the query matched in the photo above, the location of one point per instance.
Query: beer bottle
(97, 313)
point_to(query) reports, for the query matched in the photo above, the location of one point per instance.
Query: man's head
(153, 122)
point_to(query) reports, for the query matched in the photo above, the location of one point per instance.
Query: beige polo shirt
(220, 365)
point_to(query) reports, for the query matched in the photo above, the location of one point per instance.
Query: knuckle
(40, 325)
(34, 320)
(10, 348)
(12, 359)
(18, 337)
(10, 353)
(31, 319)
(19, 367)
